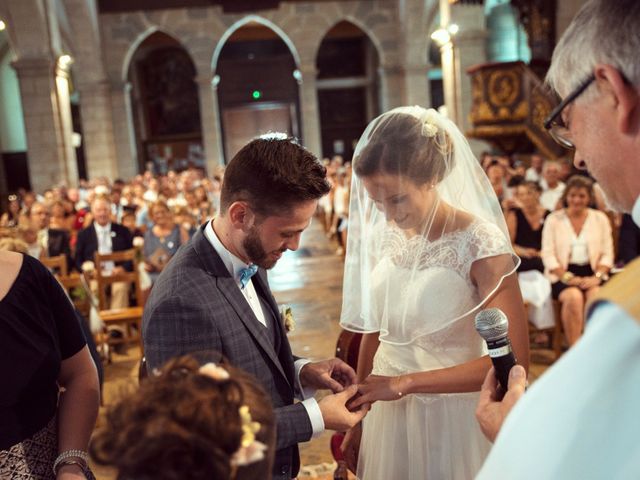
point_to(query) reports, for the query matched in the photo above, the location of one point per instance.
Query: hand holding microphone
(494, 404)
(492, 325)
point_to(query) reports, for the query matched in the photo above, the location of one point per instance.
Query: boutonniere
(286, 315)
(113, 234)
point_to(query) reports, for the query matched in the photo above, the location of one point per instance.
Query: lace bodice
(421, 288)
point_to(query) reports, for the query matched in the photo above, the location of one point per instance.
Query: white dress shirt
(550, 196)
(104, 244)
(579, 247)
(234, 265)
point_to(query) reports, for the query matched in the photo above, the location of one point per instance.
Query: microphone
(492, 325)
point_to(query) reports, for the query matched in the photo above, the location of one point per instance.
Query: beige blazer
(556, 241)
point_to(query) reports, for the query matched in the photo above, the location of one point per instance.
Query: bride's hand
(377, 387)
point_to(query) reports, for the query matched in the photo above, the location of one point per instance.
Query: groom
(214, 295)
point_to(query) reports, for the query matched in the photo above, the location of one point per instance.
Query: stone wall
(396, 29)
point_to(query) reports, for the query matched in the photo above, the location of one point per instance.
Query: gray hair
(603, 31)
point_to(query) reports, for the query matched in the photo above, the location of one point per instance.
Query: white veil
(422, 146)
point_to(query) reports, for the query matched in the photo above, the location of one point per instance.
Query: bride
(428, 249)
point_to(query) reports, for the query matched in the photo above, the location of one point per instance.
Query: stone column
(47, 120)
(466, 47)
(311, 134)
(392, 87)
(417, 85)
(470, 50)
(97, 132)
(210, 123)
(123, 130)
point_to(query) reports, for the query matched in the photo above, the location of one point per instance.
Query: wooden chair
(74, 286)
(555, 333)
(57, 264)
(130, 317)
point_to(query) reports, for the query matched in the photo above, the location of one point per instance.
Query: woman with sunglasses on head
(11, 217)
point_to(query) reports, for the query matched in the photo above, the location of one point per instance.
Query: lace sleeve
(487, 240)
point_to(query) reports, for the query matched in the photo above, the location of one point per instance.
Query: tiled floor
(310, 280)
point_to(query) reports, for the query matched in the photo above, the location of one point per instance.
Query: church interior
(141, 100)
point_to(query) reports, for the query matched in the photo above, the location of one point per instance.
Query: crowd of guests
(333, 209)
(566, 236)
(100, 216)
(560, 226)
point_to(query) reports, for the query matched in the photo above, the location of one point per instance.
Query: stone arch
(241, 23)
(358, 23)
(133, 48)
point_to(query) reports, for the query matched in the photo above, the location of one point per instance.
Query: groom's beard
(256, 252)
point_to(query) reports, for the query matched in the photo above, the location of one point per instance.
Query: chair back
(128, 277)
(57, 264)
(77, 291)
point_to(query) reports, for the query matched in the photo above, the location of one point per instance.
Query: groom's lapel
(262, 287)
(214, 266)
(230, 290)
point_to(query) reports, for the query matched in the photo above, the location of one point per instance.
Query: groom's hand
(332, 374)
(335, 413)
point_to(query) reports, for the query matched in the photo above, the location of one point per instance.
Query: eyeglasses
(554, 123)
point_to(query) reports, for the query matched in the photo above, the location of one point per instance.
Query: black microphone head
(492, 324)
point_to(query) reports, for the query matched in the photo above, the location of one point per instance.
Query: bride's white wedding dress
(427, 436)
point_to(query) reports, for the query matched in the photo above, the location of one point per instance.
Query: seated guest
(525, 226)
(497, 176)
(185, 220)
(28, 233)
(552, 187)
(129, 221)
(11, 217)
(534, 172)
(162, 240)
(58, 218)
(577, 252)
(525, 229)
(50, 395)
(190, 421)
(103, 236)
(53, 241)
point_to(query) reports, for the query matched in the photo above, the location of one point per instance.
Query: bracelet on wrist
(71, 457)
(70, 462)
(566, 277)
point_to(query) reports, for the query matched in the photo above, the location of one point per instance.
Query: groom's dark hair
(273, 175)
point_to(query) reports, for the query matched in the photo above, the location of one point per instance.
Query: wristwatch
(602, 276)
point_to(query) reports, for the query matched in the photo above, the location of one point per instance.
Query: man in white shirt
(580, 420)
(552, 187)
(214, 295)
(104, 236)
(534, 172)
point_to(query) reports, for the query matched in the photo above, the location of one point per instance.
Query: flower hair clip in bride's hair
(429, 130)
(250, 450)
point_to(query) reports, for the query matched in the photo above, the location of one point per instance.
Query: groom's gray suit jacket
(196, 306)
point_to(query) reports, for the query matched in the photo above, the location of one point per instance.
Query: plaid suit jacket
(196, 306)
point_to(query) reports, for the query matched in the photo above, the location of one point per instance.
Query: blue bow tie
(246, 274)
